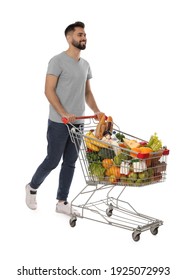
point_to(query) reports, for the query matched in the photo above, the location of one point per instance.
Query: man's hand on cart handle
(98, 115)
(68, 118)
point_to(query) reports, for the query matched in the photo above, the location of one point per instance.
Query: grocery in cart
(112, 160)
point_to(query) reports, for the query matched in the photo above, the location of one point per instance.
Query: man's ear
(68, 37)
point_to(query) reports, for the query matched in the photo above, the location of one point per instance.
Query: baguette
(102, 130)
(109, 124)
(100, 126)
(131, 143)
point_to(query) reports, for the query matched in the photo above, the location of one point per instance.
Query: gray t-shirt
(72, 76)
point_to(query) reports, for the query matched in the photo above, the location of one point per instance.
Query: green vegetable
(97, 170)
(143, 175)
(106, 153)
(138, 182)
(150, 172)
(93, 157)
(154, 143)
(119, 158)
(132, 176)
(120, 136)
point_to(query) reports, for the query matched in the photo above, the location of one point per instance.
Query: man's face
(78, 38)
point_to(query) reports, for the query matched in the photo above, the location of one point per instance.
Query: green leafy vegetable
(106, 153)
(120, 136)
(154, 143)
(93, 157)
(97, 170)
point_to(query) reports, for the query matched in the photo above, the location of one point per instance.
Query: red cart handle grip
(65, 120)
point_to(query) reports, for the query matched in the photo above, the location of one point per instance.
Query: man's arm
(50, 92)
(90, 100)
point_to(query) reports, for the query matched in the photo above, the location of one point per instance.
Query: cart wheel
(154, 231)
(72, 222)
(109, 212)
(136, 236)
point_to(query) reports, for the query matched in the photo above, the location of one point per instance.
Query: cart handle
(65, 120)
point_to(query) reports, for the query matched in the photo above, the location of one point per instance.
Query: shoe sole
(68, 214)
(32, 208)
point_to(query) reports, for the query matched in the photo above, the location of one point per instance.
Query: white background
(137, 52)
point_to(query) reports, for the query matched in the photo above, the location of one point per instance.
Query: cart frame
(110, 210)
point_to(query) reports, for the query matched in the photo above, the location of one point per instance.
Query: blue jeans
(59, 146)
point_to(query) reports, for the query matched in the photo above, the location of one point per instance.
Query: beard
(79, 45)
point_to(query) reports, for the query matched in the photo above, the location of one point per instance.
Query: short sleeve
(89, 76)
(54, 67)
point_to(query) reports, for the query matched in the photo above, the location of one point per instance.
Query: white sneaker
(31, 197)
(65, 208)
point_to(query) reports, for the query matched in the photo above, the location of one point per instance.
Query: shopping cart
(108, 170)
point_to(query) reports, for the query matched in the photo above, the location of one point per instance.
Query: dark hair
(72, 26)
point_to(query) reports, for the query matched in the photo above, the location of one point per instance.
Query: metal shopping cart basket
(107, 165)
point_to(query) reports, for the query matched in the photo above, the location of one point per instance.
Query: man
(67, 89)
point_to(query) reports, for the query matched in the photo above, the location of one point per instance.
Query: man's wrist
(96, 112)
